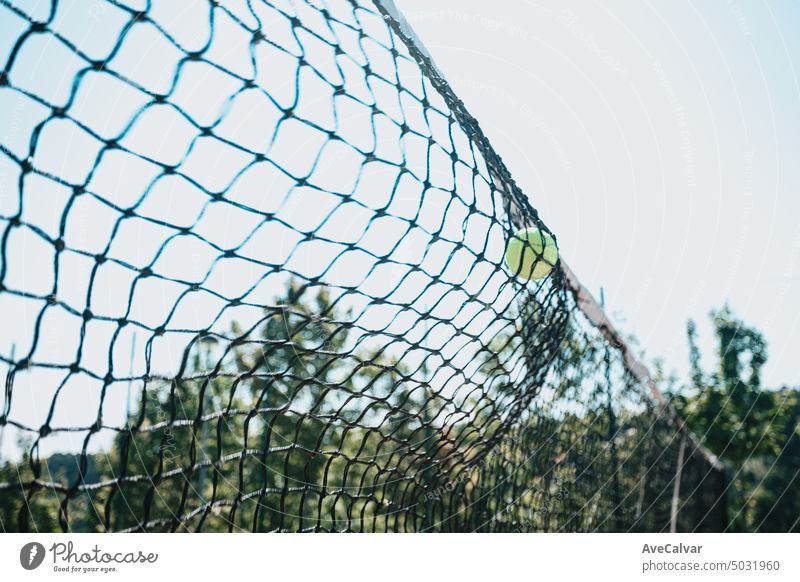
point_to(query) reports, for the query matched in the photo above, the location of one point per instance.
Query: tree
(259, 429)
(747, 426)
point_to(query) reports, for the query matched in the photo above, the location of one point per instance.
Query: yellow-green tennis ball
(531, 254)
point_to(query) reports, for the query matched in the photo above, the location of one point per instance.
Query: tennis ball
(531, 254)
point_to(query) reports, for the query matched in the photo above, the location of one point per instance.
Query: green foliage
(773, 503)
(753, 430)
(303, 422)
(242, 438)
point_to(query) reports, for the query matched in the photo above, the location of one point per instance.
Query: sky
(658, 140)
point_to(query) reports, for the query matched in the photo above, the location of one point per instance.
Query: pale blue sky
(659, 140)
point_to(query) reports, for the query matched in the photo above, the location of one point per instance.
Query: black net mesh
(252, 278)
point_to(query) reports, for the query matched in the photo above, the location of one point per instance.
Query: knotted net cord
(252, 268)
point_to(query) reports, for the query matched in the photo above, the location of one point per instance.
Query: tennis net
(252, 276)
